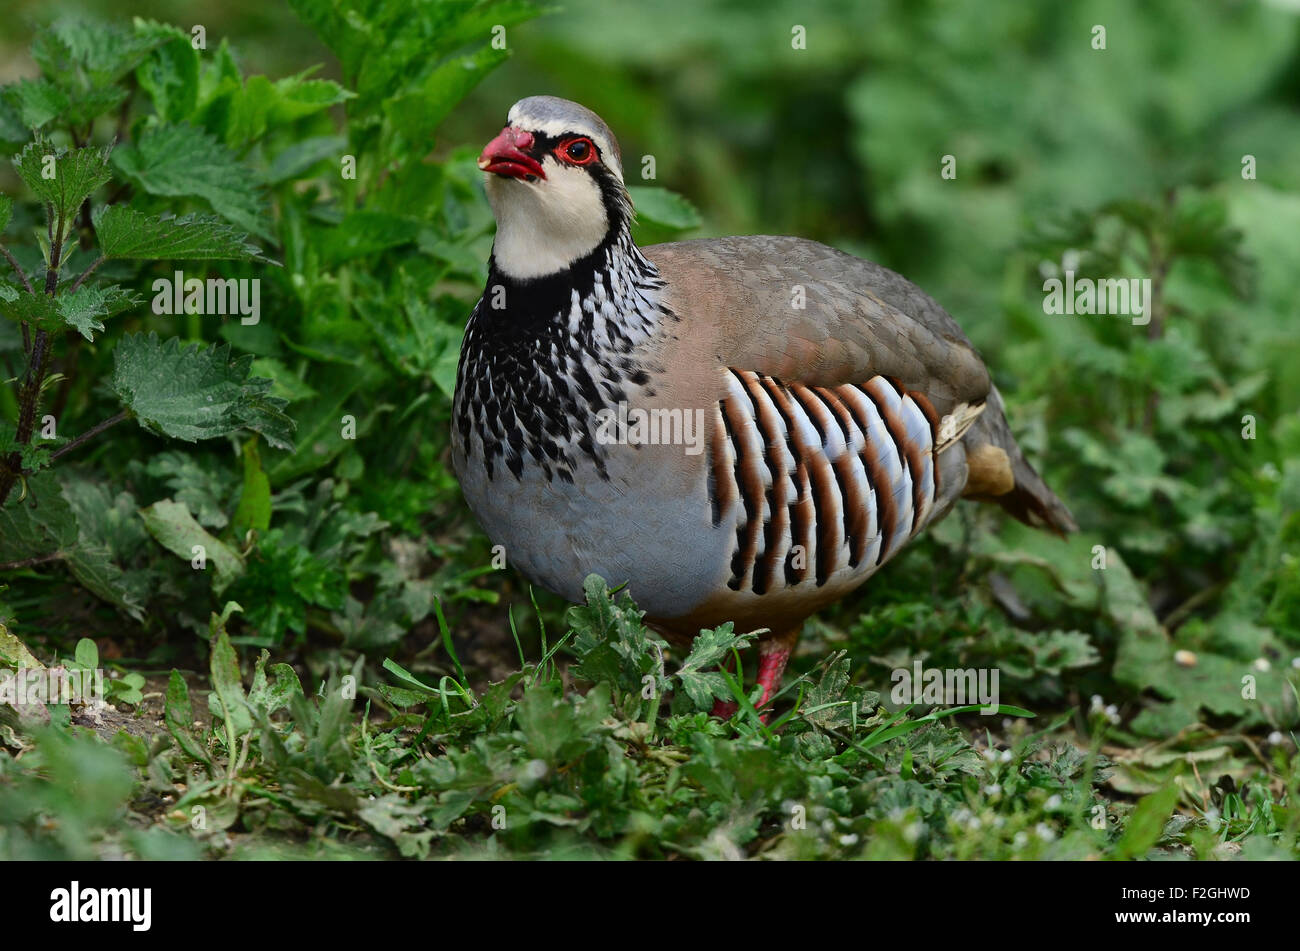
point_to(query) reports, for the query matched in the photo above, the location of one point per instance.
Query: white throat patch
(545, 225)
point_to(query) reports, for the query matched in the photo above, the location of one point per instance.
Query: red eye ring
(579, 150)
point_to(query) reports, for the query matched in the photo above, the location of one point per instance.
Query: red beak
(506, 155)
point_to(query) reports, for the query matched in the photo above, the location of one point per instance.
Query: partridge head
(741, 429)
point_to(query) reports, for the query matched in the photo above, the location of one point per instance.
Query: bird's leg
(773, 655)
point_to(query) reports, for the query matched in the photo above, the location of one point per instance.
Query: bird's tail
(1000, 473)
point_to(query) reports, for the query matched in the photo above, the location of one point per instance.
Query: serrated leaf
(250, 108)
(194, 392)
(126, 233)
(86, 308)
(74, 174)
(701, 684)
(37, 102)
(38, 309)
(170, 76)
(97, 51)
(179, 161)
(172, 525)
(6, 209)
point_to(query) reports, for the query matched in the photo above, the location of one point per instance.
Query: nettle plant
(185, 392)
(143, 150)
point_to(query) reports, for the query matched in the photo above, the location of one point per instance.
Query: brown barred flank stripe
(828, 478)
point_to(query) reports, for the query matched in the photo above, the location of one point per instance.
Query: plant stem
(86, 273)
(28, 562)
(38, 364)
(88, 434)
(13, 262)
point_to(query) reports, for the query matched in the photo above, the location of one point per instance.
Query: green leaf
(73, 174)
(702, 684)
(179, 161)
(664, 207)
(6, 209)
(96, 51)
(418, 113)
(251, 108)
(86, 308)
(227, 683)
(301, 156)
(45, 524)
(126, 233)
(1146, 823)
(14, 653)
(194, 392)
(254, 511)
(365, 232)
(268, 696)
(172, 525)
(87, 654)
(40, 524)
(179, 716)
(170, 76)
(36, 101)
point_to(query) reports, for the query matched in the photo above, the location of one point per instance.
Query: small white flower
(913, 832)
(1295, 662)
(1261, 664)
(990, 754)
(1097, 703)
(1006, 756)
(1276, 738)
(850, 839)
(993, 790)
(534, 769)
(1045, 832)
(1020, 839)
(1053, 802)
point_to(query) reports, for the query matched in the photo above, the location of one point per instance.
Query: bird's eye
(579, 150)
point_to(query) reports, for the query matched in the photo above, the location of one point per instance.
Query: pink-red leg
(773, 655)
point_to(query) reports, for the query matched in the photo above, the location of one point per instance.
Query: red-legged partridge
(743, 429)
